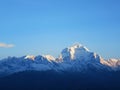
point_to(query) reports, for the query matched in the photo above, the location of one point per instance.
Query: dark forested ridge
(51, 80)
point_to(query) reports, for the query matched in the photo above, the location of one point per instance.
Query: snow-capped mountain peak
(80, 46)
(49, 57)
(77, 51)
(31, 57)
(111, 62)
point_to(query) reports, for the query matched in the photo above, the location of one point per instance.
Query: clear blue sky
(47, 26)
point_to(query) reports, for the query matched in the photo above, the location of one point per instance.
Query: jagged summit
(76, 51)
(80, 46)
(49, 57)
(31, 57)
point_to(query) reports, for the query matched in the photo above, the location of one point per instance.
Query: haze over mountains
(76, 58)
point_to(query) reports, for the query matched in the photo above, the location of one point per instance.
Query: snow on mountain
(113, 63)
(74, 58)
(79, 58)
(79, 52)
(31, 57)
(49, 57)
(74, 52)
(13, 64)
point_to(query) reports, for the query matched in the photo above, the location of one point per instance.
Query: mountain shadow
(51, 80)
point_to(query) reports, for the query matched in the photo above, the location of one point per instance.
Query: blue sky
(47, 26)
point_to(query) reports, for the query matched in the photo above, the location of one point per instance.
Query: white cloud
(4, 45)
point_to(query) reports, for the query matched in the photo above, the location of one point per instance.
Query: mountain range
(76, 68)
(76, 58)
